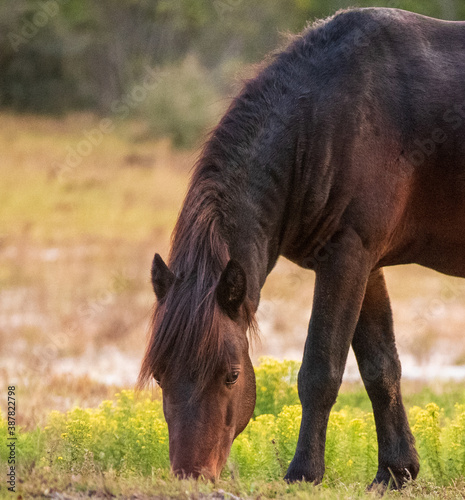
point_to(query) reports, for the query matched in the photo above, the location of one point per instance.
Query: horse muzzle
(191, 459)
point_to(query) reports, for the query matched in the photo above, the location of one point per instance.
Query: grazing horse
(344, 154)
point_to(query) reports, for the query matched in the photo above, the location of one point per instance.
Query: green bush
(276, 385)
(254, 452)
(127, 435)
(184, 103)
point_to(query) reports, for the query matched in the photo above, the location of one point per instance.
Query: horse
(344, 154)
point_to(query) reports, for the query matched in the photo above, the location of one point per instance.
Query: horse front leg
(376, 353)
(339, 290)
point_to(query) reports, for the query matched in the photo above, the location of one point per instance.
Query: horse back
(387, 155)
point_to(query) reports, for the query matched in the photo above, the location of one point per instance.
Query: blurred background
(103, 107)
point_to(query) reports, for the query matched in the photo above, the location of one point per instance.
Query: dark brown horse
(345, 154)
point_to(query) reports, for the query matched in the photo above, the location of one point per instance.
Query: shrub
(454, 440)
(184, 103)
(254, 452)
(427, 431)
(127, 435)
(276, 385)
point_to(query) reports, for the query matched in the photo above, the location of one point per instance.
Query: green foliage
(427, 430)
(265, 449)
(184, 103)
(440, 441)
(276, 385)
(129, 437)
(254, 452)
(444, 399)
(59, 55)
(454, 435)
(351, 448)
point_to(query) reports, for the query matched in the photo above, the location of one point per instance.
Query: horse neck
(240, 191)
(211, 230)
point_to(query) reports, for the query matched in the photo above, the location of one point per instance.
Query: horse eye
(232, 377)
(157, 381)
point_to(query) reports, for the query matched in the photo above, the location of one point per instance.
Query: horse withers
(344, 154)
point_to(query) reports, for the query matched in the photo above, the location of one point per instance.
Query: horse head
(199, 356)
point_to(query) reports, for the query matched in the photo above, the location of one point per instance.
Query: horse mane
(186, 330)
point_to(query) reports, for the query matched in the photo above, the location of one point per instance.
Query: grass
(75, 246)
(41, 485)
(120, 447)
(120, 191)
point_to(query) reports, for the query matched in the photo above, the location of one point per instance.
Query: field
(120, 448)
(78, 229)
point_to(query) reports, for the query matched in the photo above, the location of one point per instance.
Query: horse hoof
(294, 478)
(296, 474)
(390, 478)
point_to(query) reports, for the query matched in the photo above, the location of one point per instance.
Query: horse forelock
(186, 335)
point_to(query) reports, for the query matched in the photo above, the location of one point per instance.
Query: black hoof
(294, 478)
(296, 473)
(392, 478)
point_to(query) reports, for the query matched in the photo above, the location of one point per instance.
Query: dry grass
(38, 396)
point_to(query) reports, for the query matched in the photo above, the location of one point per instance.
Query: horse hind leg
(378, 361)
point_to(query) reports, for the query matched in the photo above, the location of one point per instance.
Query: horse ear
(232, 288)
(162, 277)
